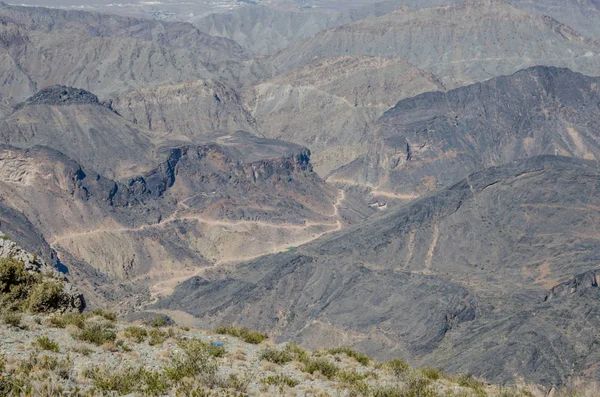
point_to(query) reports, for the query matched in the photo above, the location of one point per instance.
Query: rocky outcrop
(60, 95)
(71, 299)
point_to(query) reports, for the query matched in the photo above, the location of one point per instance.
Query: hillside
(434, 139)
(460, 44)
(331, 104)
(488, 276)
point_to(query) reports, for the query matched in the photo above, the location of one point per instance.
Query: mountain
(330, 105)
(436, 138)
(74, 122)
(189, 110)
(266, 29)
(495, 276)
(102, 53)
(463, 43)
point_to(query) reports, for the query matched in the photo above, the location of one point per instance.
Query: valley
(411, 180)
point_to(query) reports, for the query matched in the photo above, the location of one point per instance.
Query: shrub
(280, 380)
(467, 380)
(45, 343)
(83, 350)
(12, 318)
(159, 321)
(110, 316)
(431, 373)
(276, 356)
(359, 357)
(61, 367)
(194, 361)
(157, 337)
(397, 367)
(46, 296)
(119, 380)
(76, 319)
(321, 365)
(243, 333)
(138, 334)
(97, 333)
(297, 352)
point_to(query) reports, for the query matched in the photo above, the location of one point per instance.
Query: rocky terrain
(466, 278)
(431, 140)
(414, 180)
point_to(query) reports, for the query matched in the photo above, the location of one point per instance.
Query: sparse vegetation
(138, 334)
(12, 318)
(276, 356)
(431, 373)
(110, 316)
(159, 321)
(397, 367)
(324, 367)
(280, 380)
(359, 357)
(45, 343)
(96, 333)
(243, 333)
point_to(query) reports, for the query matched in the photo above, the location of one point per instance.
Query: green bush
(194, 361)
(138, 334)
(276, 356)
(397, 367)
(431, 373)
(243, 333)
(45, 343)
(157, 337)
(321, 365)
(467, 380)
(76, 319)
(110, 316)
(12, 318)
(119, 380)
(297, 352)
(359, 357)
(96, 333)
(46, 296)
(159, 321)
(280, 380)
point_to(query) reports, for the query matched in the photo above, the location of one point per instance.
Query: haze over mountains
(416, 179)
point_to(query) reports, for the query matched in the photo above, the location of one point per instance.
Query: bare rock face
(72, 300)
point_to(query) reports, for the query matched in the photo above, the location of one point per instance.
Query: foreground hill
(434, 139)
(494, 275)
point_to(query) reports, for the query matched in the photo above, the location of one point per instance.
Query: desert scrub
(243, 333)
(45, 343)
(276, 356)
(298, 353)
(21, 290)
(75, 319)
(397, 367)
(280, 380)
(137, 334)
(321, 365)
(123, 380)
(12, 318)
(110, 316)
(194, 360)
(431, 373)
(359, 357)
(159, 321)
(467, 380)
(158, 336)
(96, 333)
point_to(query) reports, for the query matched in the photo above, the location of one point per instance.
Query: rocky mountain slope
(463, 43)
(495, 275)
(102, 53)
(434, 139)
(331, 104)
